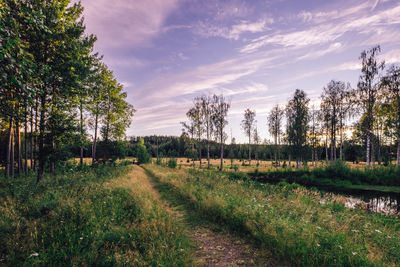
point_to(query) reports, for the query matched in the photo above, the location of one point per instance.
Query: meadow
(102, 216)
(301, 227)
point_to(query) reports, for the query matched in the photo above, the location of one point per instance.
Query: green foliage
(301, 227)
(141, 153)
(77, 219)
(172, 163)
(335, 173)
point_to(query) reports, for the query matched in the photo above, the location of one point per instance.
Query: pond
(375, 201)
(382, 202)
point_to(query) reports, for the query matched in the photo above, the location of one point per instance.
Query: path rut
(214, 248)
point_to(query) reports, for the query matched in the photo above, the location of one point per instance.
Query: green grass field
(298, 225)
(94, 217)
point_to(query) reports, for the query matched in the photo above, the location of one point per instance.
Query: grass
(338, 174)
(298, 225)
(104, 216)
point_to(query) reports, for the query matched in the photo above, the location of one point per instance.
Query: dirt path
(214, 248)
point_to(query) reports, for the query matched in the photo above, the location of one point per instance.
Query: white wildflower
(34, 254)
(378, 231)
(318, 245)
(81, 238)
(354, 253)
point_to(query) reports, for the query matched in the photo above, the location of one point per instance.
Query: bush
(172, 163)
(141, 153)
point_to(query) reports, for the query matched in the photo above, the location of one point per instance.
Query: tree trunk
(18, 143)
(42, 154)
(222, 156)
(32, 144)
(373, 150)
(95, 139)
(316, 157)
(9, 148)
(341, 147)
(249, 150)
(379, 149)
(199, 152)
(208, 154)
(26, 141)
(398, 151)
(36, 145)
(367, 159)
(52, 163)
(12, 156)
(193, 152)
(326, 150)
(290, 160)
(81, 148)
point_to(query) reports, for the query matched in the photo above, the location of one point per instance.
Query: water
(375, 201)
(387, 203)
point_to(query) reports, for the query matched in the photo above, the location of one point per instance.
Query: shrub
(172, 163)
(142, 155)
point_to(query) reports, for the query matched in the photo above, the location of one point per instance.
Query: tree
(314, 128)
(367, 90)
(141, 153)
(274, 122)
(220, 110)
(248, 127)
(195, 117)
(189, 129)
(391, 83)
(297, 124)
(334, 108)
(206, 114)
(257, 141)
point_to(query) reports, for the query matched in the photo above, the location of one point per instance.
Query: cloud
(126, 23)
(327, 32)
(335, 47)
(233, 32)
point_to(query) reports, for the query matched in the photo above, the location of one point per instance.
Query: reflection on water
(382, 203)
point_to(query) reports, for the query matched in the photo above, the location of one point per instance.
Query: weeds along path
(214, 247)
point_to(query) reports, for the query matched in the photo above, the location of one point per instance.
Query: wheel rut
(213, 247)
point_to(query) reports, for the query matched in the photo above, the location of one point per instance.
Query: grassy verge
(298, 225)
(90, 217)
(338, 174)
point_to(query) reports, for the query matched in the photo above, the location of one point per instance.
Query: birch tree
(248, 127)
(274, 123)
(367, 90)
(220, 108)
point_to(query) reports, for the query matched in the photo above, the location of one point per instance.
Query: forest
(320, 188)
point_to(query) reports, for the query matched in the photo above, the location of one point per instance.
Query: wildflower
(354, 253)
(340, 247)
(319, 228)
(318, 245)
(34, 254)
(378, 231)
(81, 238)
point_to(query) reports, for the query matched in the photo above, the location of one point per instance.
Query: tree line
(54, 88)
(371, 112)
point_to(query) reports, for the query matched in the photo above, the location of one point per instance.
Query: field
(123, 214)
(295, 224)
(96, 217)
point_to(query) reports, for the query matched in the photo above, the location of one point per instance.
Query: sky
(254, 52)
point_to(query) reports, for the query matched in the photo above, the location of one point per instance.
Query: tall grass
(336, 173)
(298, 225)
(88, 217)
